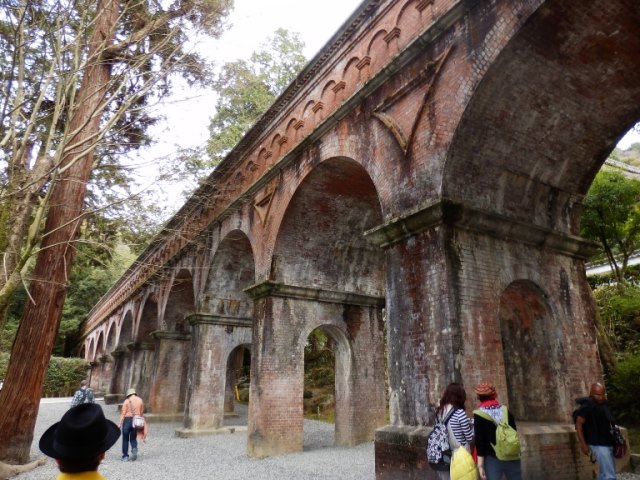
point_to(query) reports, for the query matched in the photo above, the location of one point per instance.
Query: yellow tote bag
(462, 465)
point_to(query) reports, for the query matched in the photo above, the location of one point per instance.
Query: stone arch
(343, 372)
(237, 368)
(378, 49)
(111, 338)
(100, 345)
(148, 319)
(232, 270)
(126, 329)
(180, 302)
(323, 272)
(91, 350)
(320, 241)
(528, 145)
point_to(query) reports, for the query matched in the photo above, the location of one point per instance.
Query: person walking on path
(594, 423)
(83, 395)
(132, 406)
(453, 400)
(489, 466)
(78, 442)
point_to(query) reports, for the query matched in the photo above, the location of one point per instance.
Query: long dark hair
(455, 395)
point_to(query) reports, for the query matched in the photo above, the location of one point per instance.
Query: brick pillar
(360, 388)
(92, 374)
(286, 315)
(140, 369)
(166, 398)
(448, 268)
(213, 338)
(116, 389)
(106, 364)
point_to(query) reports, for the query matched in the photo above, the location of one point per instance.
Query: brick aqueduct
(421, 179)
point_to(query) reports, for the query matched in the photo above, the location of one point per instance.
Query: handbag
(619, 443)
(138, 420)
(462, 465)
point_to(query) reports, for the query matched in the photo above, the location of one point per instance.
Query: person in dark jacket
(489, 466)
(594, 429)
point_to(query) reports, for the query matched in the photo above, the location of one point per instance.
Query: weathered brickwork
(422, 176)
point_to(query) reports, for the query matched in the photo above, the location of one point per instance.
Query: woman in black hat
(79, 441)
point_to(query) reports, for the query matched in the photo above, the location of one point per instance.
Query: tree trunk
(41, 318)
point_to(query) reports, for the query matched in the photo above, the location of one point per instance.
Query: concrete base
(231, 415)
(548, 451)
(164, 417)
(113, 398)
(188, 433)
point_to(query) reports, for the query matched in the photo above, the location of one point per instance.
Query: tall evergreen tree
(76, 78)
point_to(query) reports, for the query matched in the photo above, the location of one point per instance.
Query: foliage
(611, 216)
(619, 313)
(63, 375)
(247, 88)
(623, 389)
(54, 111)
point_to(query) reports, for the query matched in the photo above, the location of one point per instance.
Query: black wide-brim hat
(82, 433)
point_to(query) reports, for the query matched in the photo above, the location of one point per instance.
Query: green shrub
(623, 389)
(63, 376)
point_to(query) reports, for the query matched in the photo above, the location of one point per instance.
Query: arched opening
(238, 380)
(148, 320)
(319, 397)
(232, 270)
(180, 303)
(329, 275)
(126, 330)
(533, 354)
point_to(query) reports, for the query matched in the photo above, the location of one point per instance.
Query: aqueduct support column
(139, 369)
(106, 365)
(166, 398)
(116, 390)
(213, 338)
(285, 316)
(475, 297)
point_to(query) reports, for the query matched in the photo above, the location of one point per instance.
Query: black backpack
(438, 448)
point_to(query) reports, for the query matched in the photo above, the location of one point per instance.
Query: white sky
(253, 21)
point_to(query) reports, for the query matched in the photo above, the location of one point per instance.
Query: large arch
(324, 272)
(168, 387)
(222, 324)
(548, 111)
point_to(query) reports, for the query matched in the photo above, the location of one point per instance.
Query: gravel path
(164, 456)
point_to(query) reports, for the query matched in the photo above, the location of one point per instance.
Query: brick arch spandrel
(351, 76)
(412, 15)
(528, 145)
(232, 270)
(534, 357)
(378, 49)
(320, 240)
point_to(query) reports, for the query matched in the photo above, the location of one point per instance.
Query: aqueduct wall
(422, 177)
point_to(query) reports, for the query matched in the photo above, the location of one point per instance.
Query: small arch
(238, 377)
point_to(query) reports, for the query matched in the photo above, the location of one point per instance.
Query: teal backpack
(507, 446)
